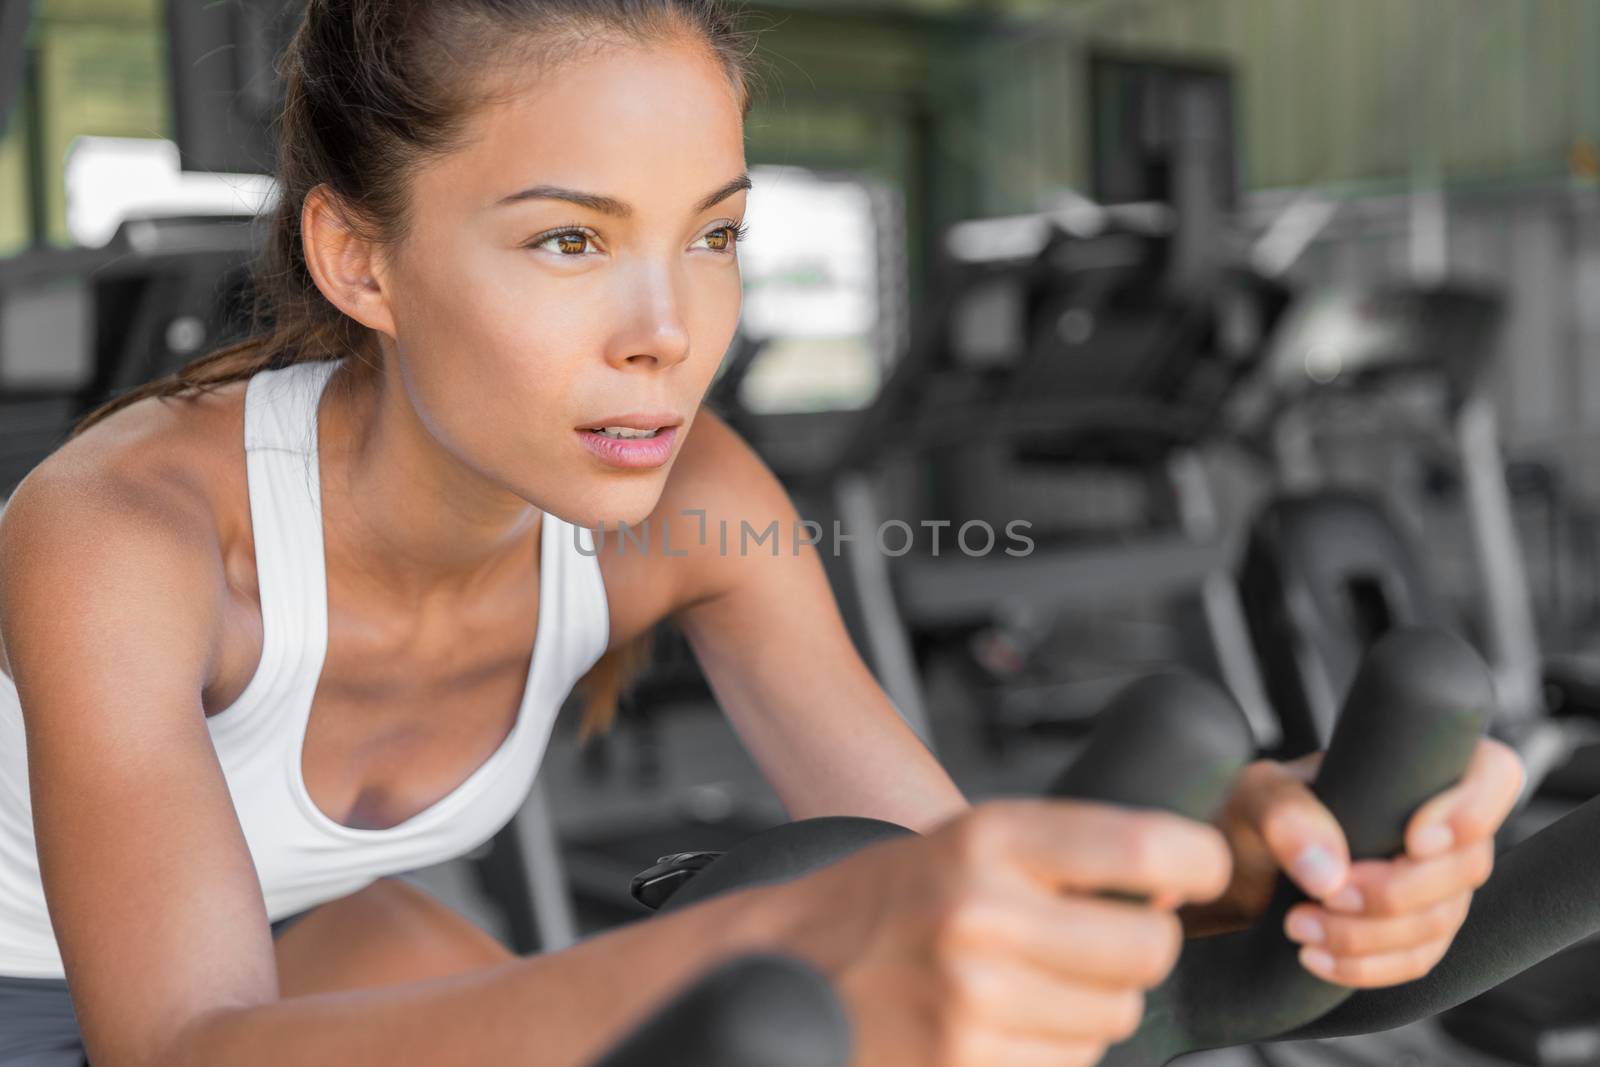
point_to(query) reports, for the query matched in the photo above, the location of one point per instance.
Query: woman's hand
(989, 942)
(1374, 922)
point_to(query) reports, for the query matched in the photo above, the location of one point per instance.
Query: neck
(402, 515)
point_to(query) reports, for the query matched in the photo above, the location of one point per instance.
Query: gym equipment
(1186, 741)
(776, 855)
(1169, 740)
(1092, 341)
(1163, 132)
(225, 92)
(1191, 743)
(1547, 1016)
(1325, 575)
(78, 326)
(1050, 347)
(1328, 570)
(1409, 726)
(1418, 704)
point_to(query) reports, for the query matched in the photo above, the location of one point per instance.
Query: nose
(656, 332)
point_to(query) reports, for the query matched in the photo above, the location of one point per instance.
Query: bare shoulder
(169, 459)
(130, 503)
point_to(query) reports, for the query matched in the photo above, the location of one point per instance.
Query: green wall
(1334, 92)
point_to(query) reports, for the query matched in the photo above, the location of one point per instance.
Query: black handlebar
(782, 853)
(1169, 741)
(1409, 725)
(1540, 900)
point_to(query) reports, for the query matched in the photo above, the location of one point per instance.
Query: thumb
(1301, 834)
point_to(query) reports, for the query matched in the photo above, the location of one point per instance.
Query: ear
(345, 266)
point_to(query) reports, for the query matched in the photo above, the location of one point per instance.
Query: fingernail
(1433, 840)
(1346, 899)
(1316, 960)
(1316, 870)
(1305, 929)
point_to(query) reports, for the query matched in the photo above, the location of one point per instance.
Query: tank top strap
(280, 415)
(582, 618)
(280, 408)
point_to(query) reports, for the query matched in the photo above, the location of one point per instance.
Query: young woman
(299, 620)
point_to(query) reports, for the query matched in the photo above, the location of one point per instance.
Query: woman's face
(524, 320)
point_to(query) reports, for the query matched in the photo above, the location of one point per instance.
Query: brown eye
(570, 243)
(565, 244)
(724, 239)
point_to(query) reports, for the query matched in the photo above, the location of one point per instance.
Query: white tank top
(302, 857)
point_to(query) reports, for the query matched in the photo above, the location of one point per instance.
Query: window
(823, 289)
(98, 69)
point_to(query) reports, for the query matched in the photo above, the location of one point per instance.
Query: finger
(1370, 972)
(1080, 938)
(1166, 902)
(1301, 834)
(1404, 885)
(1304, 768)
(1345, 935)
(1473, 809)
(1093, 847)
(1011, 995)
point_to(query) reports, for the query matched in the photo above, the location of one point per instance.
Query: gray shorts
(38, 1027)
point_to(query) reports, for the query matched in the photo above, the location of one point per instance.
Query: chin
(613, 508)
(625, 515)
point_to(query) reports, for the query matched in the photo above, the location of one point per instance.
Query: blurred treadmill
(1105, 332)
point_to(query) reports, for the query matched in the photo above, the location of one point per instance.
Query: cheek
(713, 321)
(498, 393)
(488, 378)
(478, 338)
(469, 298)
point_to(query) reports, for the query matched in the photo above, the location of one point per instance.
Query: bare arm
(108, 606)
(767, 631)
(560, 1010)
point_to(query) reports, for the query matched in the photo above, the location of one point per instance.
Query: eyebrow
(609, 205)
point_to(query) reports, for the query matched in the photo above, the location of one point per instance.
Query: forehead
(651, 125)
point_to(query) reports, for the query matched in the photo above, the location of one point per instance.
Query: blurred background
(1277, 321)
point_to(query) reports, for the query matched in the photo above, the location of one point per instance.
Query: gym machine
(1329, 569)
(1093, 339)
(1418, 703)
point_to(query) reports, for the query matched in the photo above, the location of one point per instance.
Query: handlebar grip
(1407, 729)
(783, 853)
(1413, 717)
(1539, 901)
(764, 1009)
(1169, 741)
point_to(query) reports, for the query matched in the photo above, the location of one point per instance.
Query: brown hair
(374, 87)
